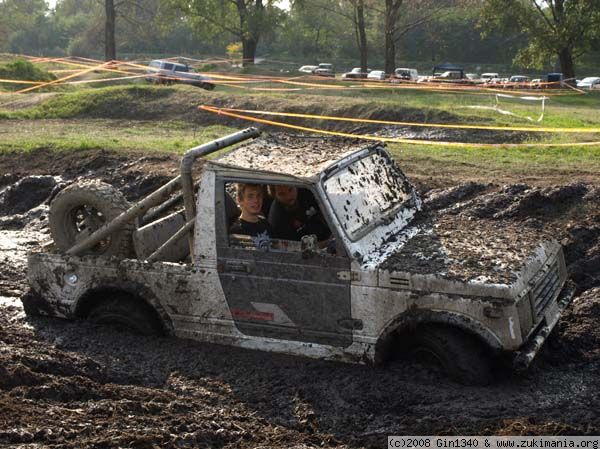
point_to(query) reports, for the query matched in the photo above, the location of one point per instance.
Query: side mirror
(309, 246)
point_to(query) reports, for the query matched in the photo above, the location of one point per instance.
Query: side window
(168, 66)
(274, 218)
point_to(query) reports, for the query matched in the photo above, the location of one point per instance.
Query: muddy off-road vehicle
(391, 281)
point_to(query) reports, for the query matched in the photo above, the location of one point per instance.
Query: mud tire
(124, 312)
(98, 203)
(459, 355)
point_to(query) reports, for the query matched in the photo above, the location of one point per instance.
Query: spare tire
(82, 208)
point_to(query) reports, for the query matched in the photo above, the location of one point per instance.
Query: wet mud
(71, 384)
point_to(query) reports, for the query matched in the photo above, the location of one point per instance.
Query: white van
(488, 77)
(406, 74)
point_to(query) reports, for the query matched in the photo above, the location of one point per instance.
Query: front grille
(546, 290)
(399, 282)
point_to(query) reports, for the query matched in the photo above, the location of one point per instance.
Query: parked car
(472, 76)
(376, 75)
(448, 72)
(166, 72)
(356, 73)
(325, 69)
(518, 79)
(590, 82)
(488, 77)
(450, 75)
(555, 77)
(406, 74)
(308, 69)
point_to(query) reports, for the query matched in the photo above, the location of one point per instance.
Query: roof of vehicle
(290, 156)
(590, 78)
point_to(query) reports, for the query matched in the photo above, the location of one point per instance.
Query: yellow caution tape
(392, 139)
(49, 83)
(416, 124)
(21, 82)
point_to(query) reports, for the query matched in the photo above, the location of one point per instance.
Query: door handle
(238, 267)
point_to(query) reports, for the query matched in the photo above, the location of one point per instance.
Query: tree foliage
(556, 29)
(246, 20)
(374, 33)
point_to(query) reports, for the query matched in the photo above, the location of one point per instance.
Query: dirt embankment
(181, 103)
(69, 384)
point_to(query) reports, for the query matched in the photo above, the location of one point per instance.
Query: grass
(153, 118)
(175, 137)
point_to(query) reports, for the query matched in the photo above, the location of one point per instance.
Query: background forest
(482, 35)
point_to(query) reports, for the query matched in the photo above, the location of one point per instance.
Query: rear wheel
(459, 355)
(126, 313)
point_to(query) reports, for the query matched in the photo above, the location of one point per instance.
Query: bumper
(529, 350)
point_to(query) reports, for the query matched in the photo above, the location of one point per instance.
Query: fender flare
(412, 318)
(137, 291)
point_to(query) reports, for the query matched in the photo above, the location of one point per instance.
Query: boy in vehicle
(251, 222)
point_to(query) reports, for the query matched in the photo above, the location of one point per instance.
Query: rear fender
(135, 290)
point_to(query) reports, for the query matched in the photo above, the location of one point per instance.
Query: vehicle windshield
(366, 193)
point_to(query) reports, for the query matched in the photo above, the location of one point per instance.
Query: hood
(459, 251)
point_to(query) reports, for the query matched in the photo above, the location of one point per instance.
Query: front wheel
(207, 86)
(459, 355)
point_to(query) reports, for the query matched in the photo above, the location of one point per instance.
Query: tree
(355, 11)
(18, 16)
(561, 29)
(110, 46)
(246, 20)
(402, 16)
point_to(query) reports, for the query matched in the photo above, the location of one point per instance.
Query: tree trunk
(567, 66)
(249, 51)
(392, 7)
(362, 34)
(110, 48)
(250, 23)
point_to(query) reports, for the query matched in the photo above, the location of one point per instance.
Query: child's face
(252, 200)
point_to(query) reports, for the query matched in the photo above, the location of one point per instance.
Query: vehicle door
(282, 292)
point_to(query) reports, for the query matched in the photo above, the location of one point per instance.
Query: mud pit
(70, 384)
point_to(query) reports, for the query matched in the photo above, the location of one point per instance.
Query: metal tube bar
(156, 255)
(157, 197)
(155, 212)
(187, 184)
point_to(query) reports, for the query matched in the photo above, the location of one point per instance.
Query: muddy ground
(71, 385)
